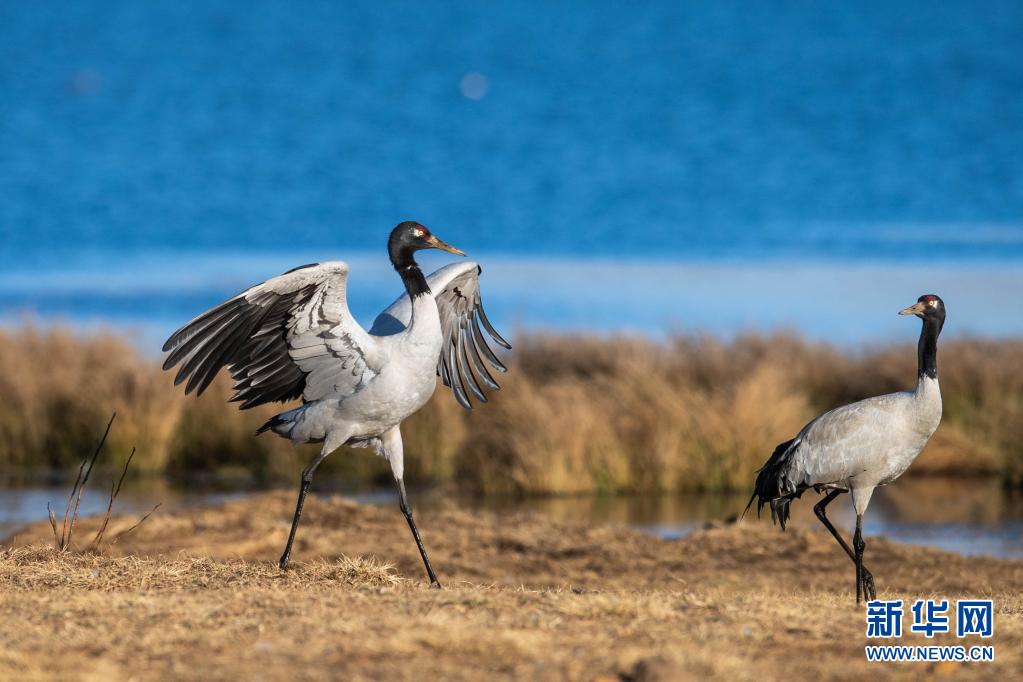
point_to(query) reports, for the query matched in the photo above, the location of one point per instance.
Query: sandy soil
(195, 595)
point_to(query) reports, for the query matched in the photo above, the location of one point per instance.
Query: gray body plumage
(860, 446)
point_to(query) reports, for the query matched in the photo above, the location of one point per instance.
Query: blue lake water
(621, 167)
(972, 517)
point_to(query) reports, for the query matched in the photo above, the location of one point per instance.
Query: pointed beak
(442, 245)
(915, 309)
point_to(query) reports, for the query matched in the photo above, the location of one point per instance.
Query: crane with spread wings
(293, 337)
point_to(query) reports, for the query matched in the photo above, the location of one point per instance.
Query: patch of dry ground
(196, 595)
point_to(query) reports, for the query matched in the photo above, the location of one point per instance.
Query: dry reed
(576, 414)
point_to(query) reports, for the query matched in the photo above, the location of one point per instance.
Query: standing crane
(293, 337)
(856, 448)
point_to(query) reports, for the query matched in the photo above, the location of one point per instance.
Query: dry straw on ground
(196, 595)
(576, 415)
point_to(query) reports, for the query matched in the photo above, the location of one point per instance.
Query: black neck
(927, 348)
(411, 275)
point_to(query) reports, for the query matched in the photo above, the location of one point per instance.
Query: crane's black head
(408, 237)
(928, 308)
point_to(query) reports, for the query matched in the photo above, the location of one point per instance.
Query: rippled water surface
(974, 517)
(649, 166)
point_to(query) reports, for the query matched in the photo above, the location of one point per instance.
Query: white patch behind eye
(933, 303)
(417, 232)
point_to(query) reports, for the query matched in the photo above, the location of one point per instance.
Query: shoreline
(188, 592)
(984, 521)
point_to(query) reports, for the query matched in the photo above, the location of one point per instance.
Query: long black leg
(407, 511)
(859, 546)
(819, 510)
(303, 489)
(866, 578)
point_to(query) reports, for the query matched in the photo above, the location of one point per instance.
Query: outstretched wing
(466, 353)
(291, 336)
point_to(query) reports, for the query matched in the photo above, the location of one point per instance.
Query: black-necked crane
(293, 337)
(858, 447)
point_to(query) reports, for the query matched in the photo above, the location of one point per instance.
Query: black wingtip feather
(457, 383)
(490, 328)
(481, 343)
(192, 333)
(463, 367)
(475, 360)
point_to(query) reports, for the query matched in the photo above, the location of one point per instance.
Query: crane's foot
(282, 563)
(435, 585)
(869, 593)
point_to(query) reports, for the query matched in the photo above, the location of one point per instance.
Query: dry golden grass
(196, 595)
(576, 415)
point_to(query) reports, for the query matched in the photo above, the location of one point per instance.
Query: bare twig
(114, 490)
(67, 511)
(53, 525)
(79, 487)
(62, 539)
(137, 524)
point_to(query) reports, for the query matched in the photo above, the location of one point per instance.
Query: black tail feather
(767, 489)
(270, 424)
(780, 510)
